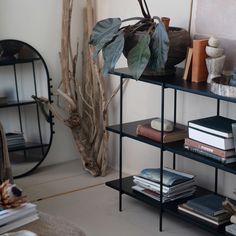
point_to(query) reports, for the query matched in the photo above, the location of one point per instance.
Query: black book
(217, 125)
(210, 204)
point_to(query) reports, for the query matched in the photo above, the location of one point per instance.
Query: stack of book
(212, 137)
(147, 130)
(15, 140)
(15, 217)
(207, 208)
(176, 184)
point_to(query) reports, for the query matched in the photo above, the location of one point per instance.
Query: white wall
(38, 22)
(140, 100)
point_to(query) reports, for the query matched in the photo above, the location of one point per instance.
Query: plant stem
(147, 8)
(145, 14)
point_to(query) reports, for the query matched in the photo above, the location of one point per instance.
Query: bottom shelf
(171, 207)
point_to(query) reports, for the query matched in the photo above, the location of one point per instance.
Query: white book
(12, 214)
(156, 196)
(17, 223)
(211, 139)
(156, 187)
(231, 229)
(167, 194)
(218, 125)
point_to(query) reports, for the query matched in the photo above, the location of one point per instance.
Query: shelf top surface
(8, 62)
(175, 82)
(16, 103)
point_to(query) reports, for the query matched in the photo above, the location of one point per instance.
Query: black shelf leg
(216, 169)
(161, 156)
(120, 143)
(175, 112)
(216, 180)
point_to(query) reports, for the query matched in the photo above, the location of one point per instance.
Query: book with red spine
(179, 133)
(207, 148)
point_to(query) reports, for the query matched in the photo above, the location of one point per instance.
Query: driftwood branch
(85, 107)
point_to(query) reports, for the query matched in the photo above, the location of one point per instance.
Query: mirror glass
(23, 73)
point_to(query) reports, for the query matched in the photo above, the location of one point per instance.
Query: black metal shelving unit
(40, 146)
(124, 185)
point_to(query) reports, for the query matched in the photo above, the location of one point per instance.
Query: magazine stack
(176, 184)
(212, 137)
(207, 208)
(15, 217)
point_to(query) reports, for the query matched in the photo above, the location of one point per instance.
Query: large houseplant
(146, 44)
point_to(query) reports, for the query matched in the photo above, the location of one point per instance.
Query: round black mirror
(23, 74)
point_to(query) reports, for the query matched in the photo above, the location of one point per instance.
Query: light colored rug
(48, 225)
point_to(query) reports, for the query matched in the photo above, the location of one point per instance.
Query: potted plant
(147, 44)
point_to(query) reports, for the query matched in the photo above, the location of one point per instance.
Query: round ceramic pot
(179, 41)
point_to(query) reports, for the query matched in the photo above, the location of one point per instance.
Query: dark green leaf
(104, 30)
(159, 47)
(139, 55)
(112, 52)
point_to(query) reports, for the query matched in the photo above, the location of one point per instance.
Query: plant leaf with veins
(105, 29)
(103, 32)
(139, 55)
(160, 47)
(112, 52)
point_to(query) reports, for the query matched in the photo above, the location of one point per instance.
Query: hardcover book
(12, 214)
(209, 149)
(217, 220)
(179, 133)
(188, 64)
(210, 204)
(218, 125)
(17, 223)
(211, 139)
(199, 69)
(211, 155)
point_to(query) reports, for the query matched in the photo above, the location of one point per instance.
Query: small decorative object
(221, 86)
(215, 60)
(146, 44)
(10, 195)
(168, 126)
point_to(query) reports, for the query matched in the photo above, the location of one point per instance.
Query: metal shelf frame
(175, 83)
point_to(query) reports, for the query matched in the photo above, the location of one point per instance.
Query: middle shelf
(129, 130)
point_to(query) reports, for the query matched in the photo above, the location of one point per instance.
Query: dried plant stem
(86, 99)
